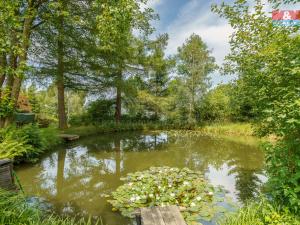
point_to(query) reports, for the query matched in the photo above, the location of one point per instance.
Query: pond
(75, 177)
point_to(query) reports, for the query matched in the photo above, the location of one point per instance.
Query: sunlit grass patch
(260, 213)
(239, 129)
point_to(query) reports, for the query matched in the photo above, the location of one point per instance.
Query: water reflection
(76, 177)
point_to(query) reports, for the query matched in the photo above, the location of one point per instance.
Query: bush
(283, 168)
(14, 149)
(27, 142)
(101, 110)
(261, 213)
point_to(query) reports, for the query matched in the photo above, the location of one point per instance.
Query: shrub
(101, 110)
(13, 149)
(283, 168)
(27, 142)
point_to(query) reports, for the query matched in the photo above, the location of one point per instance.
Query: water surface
(75, 177)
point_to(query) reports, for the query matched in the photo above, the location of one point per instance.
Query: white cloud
(213, 30)
(153, 3)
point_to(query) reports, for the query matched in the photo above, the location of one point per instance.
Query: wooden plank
(147, 218)
(69, 137)
(5, 161)
(167, 216)
(151, 216)
(158, 216)
(171, 215)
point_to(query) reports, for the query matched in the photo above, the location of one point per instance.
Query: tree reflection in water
(76, 177)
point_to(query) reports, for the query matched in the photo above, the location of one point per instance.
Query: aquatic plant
(163, 186)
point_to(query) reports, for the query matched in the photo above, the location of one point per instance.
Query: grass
(260, 213)
(14, 210)
(230, 129)
(112, 127)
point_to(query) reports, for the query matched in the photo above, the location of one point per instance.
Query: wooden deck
(69, 137)
(169, 215)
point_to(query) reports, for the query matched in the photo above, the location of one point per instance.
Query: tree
(63, 50)
(33, 99)
(216, 105)
(18, 20)
(266, 59)
(194, 65)
(116, 23)
(153, 85)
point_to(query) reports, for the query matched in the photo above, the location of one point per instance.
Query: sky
(181, 18)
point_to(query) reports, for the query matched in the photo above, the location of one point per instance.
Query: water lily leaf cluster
(163, 186)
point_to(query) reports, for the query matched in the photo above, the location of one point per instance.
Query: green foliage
(13, 149)
(33, 100)
(194, 65)
(6, 105)
(101, 110)
(216, 104)
(267, 60)
(27, 142)
(261, 213)
(161, 186)
(283, 167)
(15, 210)
(227, 102)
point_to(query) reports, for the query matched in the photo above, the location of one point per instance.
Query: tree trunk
(2, 79)
(118, 99)
(16, 87)
(62, 118)
(2, 75)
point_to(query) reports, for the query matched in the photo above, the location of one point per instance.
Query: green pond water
(75, 177)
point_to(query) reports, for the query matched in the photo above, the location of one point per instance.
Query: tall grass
(237, 129)
(261, 213)
(14, 210)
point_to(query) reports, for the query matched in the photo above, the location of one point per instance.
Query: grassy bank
(14, 210)
(260, 213)
(230, 129)
(112, 127)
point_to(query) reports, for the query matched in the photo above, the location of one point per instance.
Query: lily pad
(162, 186)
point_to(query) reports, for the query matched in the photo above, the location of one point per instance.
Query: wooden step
(69, 137)
(169, 215)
